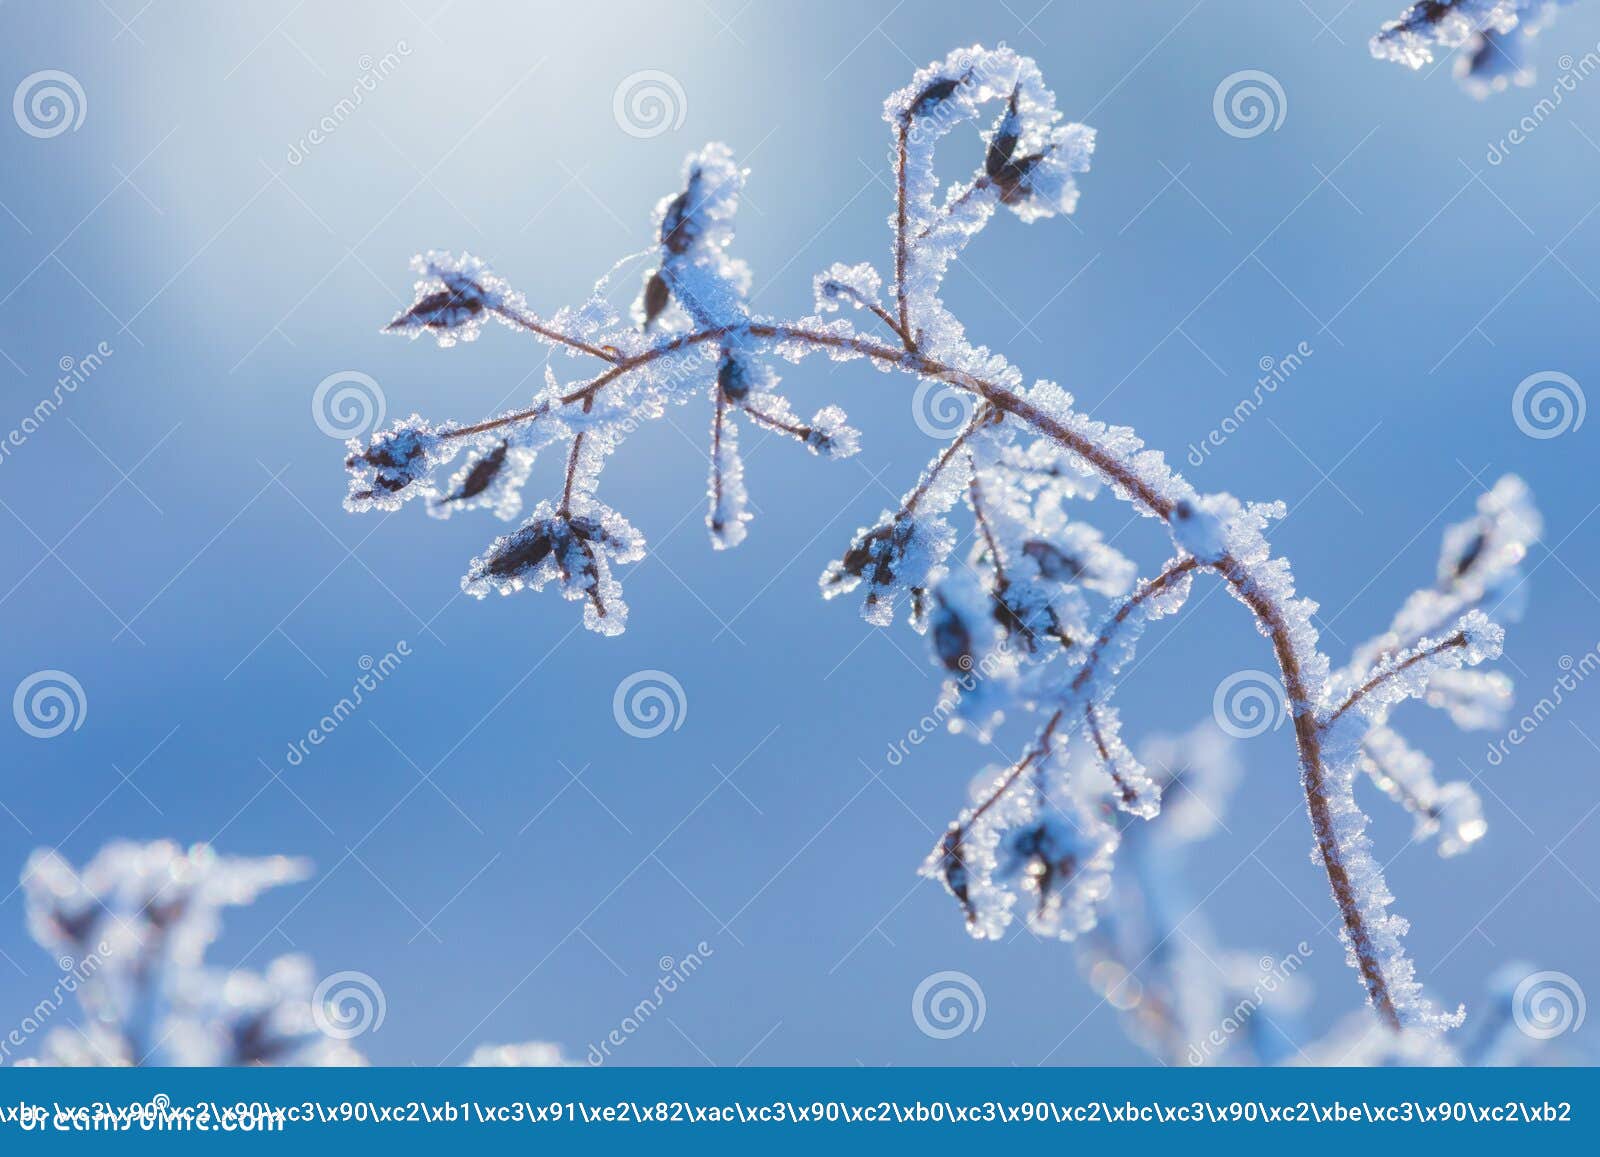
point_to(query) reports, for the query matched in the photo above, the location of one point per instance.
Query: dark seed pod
(953, 870)
(482, 474)
(75, 927)
(1012, 174)
(440, 310)
(855, 560)
(398, 460)
(656, 298)
(1470, 556)
(678, 225)
(1005, 140)
(1053, 562)
(952, 642)
(929, 97)
(733, 379)
(1012, 622)
(523, 554)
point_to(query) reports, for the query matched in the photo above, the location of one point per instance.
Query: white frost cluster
(1154, 958)
(1492, 36)
(130, 931)
(1479, 585)
(574, 544)
(132, 928)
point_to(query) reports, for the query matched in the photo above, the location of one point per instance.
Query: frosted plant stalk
(1043, 607)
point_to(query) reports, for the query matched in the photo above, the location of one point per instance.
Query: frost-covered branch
(1043, 616)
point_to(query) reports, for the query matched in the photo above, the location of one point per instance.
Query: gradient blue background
(229, 283)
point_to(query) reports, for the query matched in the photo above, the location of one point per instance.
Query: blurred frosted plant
(1492, 37)
(1190, 1000)
(1041, 616)
(130, 931)
(1152, 956)
(528, 1055)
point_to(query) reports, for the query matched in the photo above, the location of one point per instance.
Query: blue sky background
(173, 537)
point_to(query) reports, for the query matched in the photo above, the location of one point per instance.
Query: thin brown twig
(762, 418)
(873, 307)
(900, 240)
(572, 473)
(1459, 639)
(975, 490)
(533, 324)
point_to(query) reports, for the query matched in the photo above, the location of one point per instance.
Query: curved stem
(1313, 778)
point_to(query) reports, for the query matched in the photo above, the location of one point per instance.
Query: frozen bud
(443, 309)
(480, 475)
(492, 478)
(932, 95)
(1492, 60)
(63, 909)
(1012, 177)
(396, 465)
(1004, 143)
(654, 300)
(680, 224)
(900, 556)
(733, 376)
(1053, 562)
(1040, 182)
(950, 635)
(948, 866)
(829, 436)
(454, 296)
(574, 550)
(1485, 551)
(1026, 615)
(871, 556)
(1073, 554)
(1064, 864)
(1198, 530)
(1457, 566)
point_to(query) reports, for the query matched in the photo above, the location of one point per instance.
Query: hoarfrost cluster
(1042, 604)
(1492, 39)
(130, 931)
